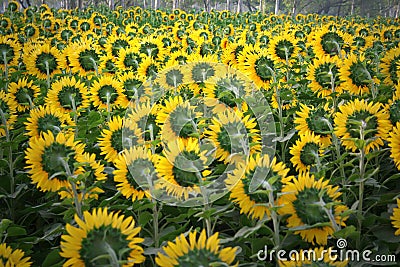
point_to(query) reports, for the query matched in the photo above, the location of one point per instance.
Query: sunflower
(393, 106)
(8, 108)
(259, 67)
(24, 93)
(148, 68)
(132, 86)
(357, 115)
(117, 42)
(66, 34)
(389, 66)
(129, 59)
(283, 48)
(84, 58)
(143, 114)
(310, 204)
(179, 56)
(43, 61)
(111, 142)
(107, 65)
(177, 118)
(10, 257)
(171, 77)
(394, 143)
(9, 51)
(330, 42)
(48, 157)
(306, 152)
(357, 74)
(67, 94)
(107, 91)
(85, 25)
(396, 218)
(65, 62)
(31, 31)
(152, 47)
(314, 257)
(234, 135)
(201, 68)
(182, 168)
(134, 168)
(192, 252)
(102, 238)
(314, 120)
(226, 91)
(323, 75)
(5, 23)
(256, 205)
(44, 118)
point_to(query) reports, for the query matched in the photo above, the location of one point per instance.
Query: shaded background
(366, 8)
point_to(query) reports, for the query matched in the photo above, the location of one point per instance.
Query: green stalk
(5, 68)
(362, 167)
(95, 65)
(48, 74)
(10, 164)
(71, 97)
(155, 224)
(274, 216)
(373, 91)
(151, 188)
(111, 253)
(78, 205)
(108, 106)
(336, 143)
(206, 205)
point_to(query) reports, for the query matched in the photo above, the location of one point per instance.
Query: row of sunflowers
(143, 137)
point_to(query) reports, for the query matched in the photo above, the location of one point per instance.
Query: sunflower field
(140, 137)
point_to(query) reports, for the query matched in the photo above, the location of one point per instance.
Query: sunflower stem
(111, 253)
(108, 106)
(274, 216)
(335, 141)
(373, 91)
(328, 212)
(71, 97)
(333, 89)
(338, 49)
(5, 68)
(151, 130)
(47, 74)
(96, 69)
(281, 123)
(155, 224)
(318, 161)
(31, 105)
(206, 206)
(362, 167)
(70, 175)
(287, 63)
(10, 163)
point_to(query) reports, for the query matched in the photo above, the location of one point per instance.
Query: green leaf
(145, 218)
(346, 232)
(53, 259)
(386, 233)
(16, 231)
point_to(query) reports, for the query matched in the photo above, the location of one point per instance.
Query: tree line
(366, 8)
